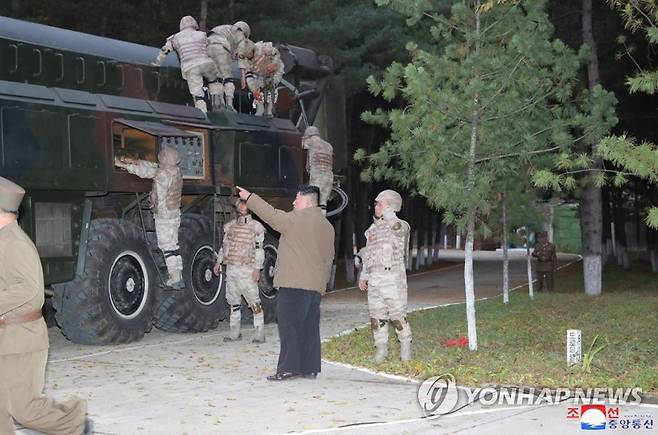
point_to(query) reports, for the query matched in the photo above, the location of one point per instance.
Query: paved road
(197, 384)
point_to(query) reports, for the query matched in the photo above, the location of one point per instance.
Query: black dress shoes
(282, 376)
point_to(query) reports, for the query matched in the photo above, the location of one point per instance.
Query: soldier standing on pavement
(319, 163)
(166, 201)
(24, 335)
(223, 42)
(263, 72)
(242, 253)
(546, 257)
(384, 275)
(195, 64)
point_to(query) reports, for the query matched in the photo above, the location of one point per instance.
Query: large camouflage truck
(70, 103)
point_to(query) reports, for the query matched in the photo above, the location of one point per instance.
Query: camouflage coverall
(264, 71)
(384, 270)
(192, 48)
(319, 163)
(242, 253)
(166, 201)
(223, 43)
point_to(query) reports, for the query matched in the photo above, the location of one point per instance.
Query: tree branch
(503, 86)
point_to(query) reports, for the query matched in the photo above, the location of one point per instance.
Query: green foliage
(508, 85)
(360, 37)
(594, 349)
(639, 160)
(521, 344)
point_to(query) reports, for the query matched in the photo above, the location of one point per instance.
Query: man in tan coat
(24, 335)
(306, 253)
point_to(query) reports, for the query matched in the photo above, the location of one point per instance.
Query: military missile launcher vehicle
(70, 103)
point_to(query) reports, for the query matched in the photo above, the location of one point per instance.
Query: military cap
(11, 195)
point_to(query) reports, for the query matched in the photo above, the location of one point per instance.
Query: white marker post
(574, 347)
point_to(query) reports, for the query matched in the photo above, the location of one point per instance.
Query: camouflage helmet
(311, 131)
(244, 28)
(266, 48)
(168, 156)
(188, 22)
(392, 197)
(246, 49)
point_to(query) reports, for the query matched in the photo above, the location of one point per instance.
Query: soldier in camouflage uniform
(195, 64)
(384, 276)
(319, 163)
(263, 72)
(223, 42)
(546, 257)
(242, 253)
(166, 200)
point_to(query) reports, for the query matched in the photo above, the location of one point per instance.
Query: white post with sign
(574, 347)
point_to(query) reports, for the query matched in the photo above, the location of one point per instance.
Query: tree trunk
(531, 290)
(606, 220)
(505, 252)
(590, 201)
(203, 16)
(469, 284)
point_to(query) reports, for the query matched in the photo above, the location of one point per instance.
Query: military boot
(217, 102)
(200, 104)
(380, 335)
(88, 427)
(259, 324)
(234, 324)
(229, 91)
(405, 350)
(175, 268)
(403, 331)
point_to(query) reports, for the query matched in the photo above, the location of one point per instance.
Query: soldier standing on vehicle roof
(242, 253)
(24, 335)
(195, 64)
(223, 42)
(384, 275)
(166, 200)
(263, 72)
(319, 163)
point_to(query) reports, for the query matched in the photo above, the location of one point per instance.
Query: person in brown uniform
(24, 335)
(303, 268)
(546, 257)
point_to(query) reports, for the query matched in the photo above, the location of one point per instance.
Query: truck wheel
(202, 303)
(266, 288)
(112, 302)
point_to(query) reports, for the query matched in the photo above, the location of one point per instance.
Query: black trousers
(298, 317)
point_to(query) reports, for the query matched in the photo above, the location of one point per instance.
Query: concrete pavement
(197, 384)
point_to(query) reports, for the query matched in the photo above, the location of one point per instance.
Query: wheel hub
(205, 284)
(130, 285)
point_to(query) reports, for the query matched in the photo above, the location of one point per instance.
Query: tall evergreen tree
(492, 89)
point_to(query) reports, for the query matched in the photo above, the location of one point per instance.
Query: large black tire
(202, 304)
(266, 290)
(112, 302)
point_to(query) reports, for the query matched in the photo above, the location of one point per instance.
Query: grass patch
(524, 342)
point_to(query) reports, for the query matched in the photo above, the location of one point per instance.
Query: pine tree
(491, 90)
